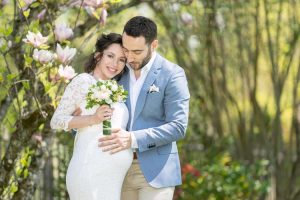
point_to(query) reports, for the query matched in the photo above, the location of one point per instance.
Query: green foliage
(21, 172)
(224, 180)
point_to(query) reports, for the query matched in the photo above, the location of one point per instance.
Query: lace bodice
(72, 98)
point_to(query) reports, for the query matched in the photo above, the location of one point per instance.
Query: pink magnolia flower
(4, 2)
(42, 56)
(27, 4)
(65, 55)
(37, 137)
(9, 43)
(91, 3)
(41, 15)
(35, 39)
(62, 32)
(103, 16)
(90, 11)
(66, 72)
(187, 18)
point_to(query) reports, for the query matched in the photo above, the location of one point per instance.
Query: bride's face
(111, 63)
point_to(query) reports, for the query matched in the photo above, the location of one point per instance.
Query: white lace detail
(74, 94)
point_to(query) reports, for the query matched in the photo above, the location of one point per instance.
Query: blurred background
(242, 60)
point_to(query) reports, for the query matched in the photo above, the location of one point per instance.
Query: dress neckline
(96, 79)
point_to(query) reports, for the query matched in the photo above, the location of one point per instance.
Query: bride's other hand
(77, 112)
(104, 112)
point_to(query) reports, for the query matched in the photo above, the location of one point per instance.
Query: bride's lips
(111, 69)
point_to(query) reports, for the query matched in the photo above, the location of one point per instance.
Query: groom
(158, 105)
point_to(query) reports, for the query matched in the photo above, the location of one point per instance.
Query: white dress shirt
(135, 86)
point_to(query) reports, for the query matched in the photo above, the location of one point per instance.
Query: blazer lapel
(145, 88)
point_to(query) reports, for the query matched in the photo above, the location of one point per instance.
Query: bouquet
(105, 92)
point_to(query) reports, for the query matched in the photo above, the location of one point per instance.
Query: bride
(93, 174)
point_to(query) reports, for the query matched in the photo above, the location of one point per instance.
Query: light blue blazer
(160, 119)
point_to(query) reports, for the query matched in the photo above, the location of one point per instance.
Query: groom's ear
(154, 45)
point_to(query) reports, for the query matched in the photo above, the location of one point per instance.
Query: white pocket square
(153, 88)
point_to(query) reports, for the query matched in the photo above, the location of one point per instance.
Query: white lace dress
(92, 174)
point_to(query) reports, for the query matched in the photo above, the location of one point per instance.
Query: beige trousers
(135, 187)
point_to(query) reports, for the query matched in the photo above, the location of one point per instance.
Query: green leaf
(26, 13)
(25, 173)
(35, 26)
(44, 46)
(11, 76)
(26, 85)
(66, 42)
(115, 1)
(1, 78)
(8, 30)
(24, 162)
(18, 39)
(41, 127)
(28, 60)
(19, 171)
(13, 188)
(35, 4)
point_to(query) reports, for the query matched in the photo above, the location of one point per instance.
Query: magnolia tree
(37, 50)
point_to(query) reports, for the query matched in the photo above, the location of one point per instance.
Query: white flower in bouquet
(105, 93)
(108, 101)
(103, 87)
(114, 87)
(120, 98)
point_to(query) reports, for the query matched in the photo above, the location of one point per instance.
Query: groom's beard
(144, 62)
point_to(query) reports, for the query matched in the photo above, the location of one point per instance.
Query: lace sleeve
(74, 94)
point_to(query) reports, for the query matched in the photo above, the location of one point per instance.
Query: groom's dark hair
(141, 26)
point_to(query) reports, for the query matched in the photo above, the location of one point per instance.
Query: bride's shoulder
(82, 78)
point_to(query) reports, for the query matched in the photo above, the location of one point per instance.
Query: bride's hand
(77, 112)
(104, 112)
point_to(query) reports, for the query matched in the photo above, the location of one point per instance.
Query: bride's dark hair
(103, 42)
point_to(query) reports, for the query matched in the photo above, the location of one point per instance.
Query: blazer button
(151, 145)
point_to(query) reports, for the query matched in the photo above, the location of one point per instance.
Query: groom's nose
(130, 57)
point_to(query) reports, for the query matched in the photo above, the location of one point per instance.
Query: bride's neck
(97, 75)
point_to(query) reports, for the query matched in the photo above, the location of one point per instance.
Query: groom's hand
(117, 141)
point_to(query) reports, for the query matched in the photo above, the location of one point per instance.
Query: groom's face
(137, 51)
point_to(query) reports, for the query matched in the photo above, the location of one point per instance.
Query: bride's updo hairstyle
(102, 43)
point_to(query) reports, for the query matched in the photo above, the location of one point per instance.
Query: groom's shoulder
(170, 67)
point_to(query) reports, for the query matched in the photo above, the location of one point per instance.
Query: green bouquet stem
(107, 127)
